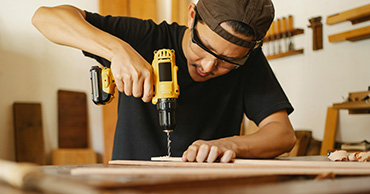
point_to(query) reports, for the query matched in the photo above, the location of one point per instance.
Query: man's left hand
(209, 151)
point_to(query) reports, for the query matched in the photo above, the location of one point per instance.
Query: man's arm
(66, 25)
(275, 136)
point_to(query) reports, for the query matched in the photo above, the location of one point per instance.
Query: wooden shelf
(352, 105)
(356, 15)
(289, 53)
(352, 35)
(294, 32)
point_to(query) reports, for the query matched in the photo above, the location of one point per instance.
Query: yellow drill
(166, 88)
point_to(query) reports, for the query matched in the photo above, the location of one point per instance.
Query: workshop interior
(58, 109)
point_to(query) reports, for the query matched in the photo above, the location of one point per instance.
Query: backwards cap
(258, 14)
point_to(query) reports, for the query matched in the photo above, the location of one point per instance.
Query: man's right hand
(133, 75)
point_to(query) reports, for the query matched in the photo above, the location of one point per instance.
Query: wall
(318, 79)
(33, 69)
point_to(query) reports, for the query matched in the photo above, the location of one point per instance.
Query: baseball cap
(258, 14)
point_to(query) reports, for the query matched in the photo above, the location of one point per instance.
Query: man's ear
(191, 14)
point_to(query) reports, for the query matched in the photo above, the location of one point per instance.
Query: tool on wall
(316, 25)
(266, 43)
(272, 38)
(166, 88)
(284, 33)
(278, 35)
(290, 33)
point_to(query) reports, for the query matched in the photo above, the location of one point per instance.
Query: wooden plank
(349, 15)
(246, 163)
(28, 133)
(73, 156)
(352, 35)
(330, 130)
(72, 119)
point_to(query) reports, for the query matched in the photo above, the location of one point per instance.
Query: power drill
(165, 93)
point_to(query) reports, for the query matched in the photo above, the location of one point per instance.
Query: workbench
(294, 175)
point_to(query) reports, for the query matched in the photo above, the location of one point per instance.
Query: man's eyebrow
(213, 50)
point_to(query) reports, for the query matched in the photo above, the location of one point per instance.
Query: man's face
(202, 64)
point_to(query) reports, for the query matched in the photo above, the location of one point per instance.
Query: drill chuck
(166, 109)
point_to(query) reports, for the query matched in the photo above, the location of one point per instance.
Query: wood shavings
(363, 156)
(342, 155)
(339, 155)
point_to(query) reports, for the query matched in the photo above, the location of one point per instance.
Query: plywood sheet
(28, 133)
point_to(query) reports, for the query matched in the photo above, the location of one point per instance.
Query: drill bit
(168, 144)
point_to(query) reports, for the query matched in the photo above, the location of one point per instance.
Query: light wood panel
(330, 130)
(144, 9)
(109, 124)
(179, 11)
(114, 7)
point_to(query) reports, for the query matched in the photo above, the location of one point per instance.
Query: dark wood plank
(29, 139)
(72, 119)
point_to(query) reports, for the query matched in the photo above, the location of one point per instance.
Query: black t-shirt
(206, 110)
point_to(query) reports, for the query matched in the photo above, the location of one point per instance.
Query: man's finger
(202, 153)
(127, 86)
(120, 85)
(184, 156)
(137, 88)
(192, 153)
(228, 155)
(148, 90)
(213, 154)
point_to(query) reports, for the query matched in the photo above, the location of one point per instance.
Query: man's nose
(209, 64)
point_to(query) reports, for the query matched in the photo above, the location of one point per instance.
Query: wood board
(247, 163)
(28, 133)
(72, 119)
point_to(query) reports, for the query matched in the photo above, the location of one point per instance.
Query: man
(222, 75)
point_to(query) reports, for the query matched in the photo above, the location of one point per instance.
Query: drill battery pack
(102, 85)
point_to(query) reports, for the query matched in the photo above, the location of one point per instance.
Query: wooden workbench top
(246, 176)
